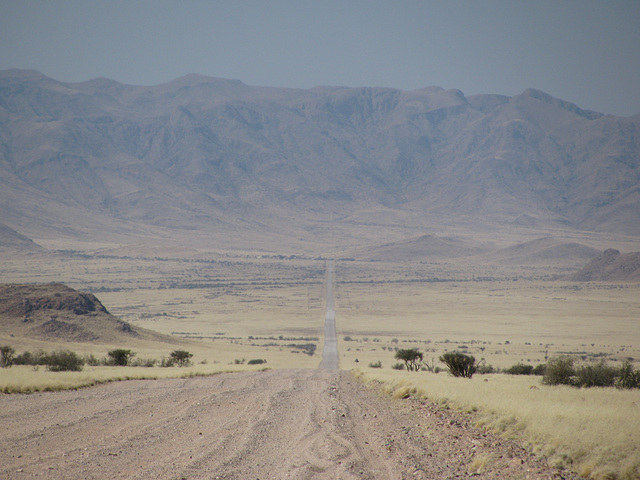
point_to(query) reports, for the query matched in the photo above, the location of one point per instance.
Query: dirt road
(301, 424)
(330, 359)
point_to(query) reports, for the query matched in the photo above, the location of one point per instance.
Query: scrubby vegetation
(459, 364)
(66, 360)
(519, 369)
(562, 370)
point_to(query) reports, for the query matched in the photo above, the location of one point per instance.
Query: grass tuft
(480, 463)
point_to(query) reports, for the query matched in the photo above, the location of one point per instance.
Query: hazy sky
(583, 51)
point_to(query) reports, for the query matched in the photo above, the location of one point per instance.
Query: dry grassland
(230, 308)
(222, 309)
(503, 322)
(595, 432)
(28, 379)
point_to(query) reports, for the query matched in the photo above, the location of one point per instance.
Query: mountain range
(215, 162)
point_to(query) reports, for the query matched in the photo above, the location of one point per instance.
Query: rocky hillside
(209, 155)
(611, 265)
(55, 312)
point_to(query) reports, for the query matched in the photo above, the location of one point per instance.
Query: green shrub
(25, 358)
(412, 358)
(596, 375)
(540, 369)
(6, 356)
(256, 361)
(627, 377)
(460, 364)
(28, 358)
(121, 357)
(377, 364)
(182, 358)
(64, 361)
(559, 371)
(484, 369)
(398, 366)
(520, 369)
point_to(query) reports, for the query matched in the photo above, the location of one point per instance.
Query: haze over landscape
(204, 159)
(316, 189)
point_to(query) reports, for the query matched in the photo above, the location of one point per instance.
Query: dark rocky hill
(611, 265)
(207, 155)
(55, 312)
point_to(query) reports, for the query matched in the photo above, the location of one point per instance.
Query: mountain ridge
(208, 155)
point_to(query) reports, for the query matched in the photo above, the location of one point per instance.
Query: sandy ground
(301, 424)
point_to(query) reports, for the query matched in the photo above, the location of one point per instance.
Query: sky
(583, 51)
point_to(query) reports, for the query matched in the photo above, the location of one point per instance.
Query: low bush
(483, 368)
(560, 370)
(377, 364)
(398, 366)
(143, 362)
(596, 375)
(520, 369)
(540, 369)
(256, 361)
(64, 361)
(28, 358)
(459, 364)
(93, 361)
(628, 377)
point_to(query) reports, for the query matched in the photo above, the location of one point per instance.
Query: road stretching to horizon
(311, 424)
(330, 350)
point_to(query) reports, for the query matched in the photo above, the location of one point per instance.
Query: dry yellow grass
(28, 379)
(595, 432)
(503, 322)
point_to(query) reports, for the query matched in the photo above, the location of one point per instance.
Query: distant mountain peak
(571, 107)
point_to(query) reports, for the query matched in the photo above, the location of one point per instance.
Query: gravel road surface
(300, 424)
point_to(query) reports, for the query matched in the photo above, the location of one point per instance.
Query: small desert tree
(460, 364)
(412, 358)
(180, 357)
(6, 356)
(121, 357)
